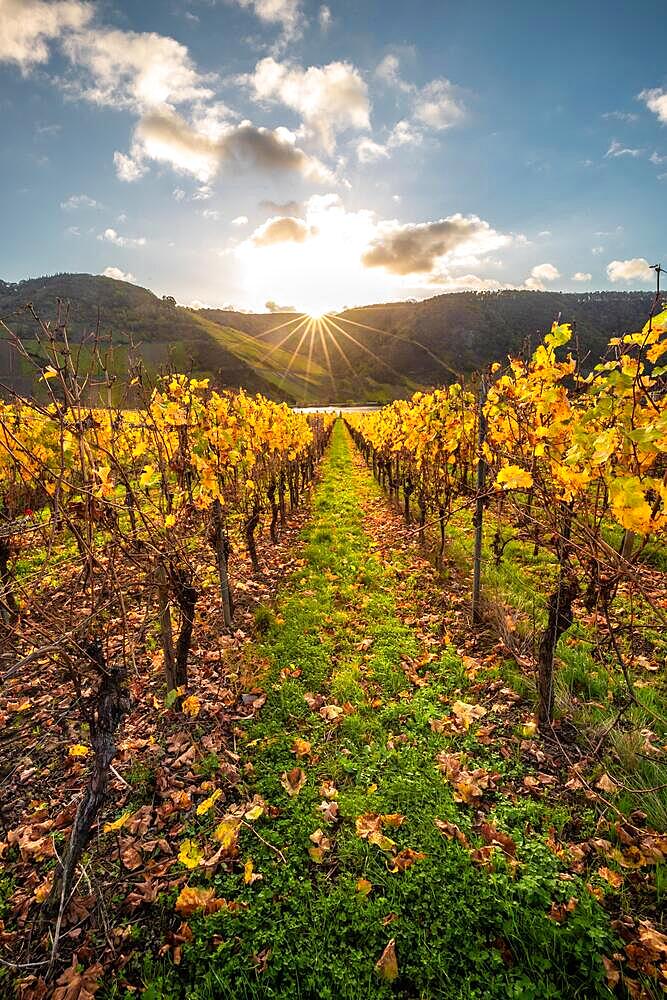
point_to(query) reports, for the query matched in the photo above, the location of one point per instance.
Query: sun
(316, 314)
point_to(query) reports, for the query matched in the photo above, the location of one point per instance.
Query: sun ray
(265, 333)
(334, 340)
(325, 349)
(275, 347)
(367, 350)
(404, 340)
(314, 326)
(296, 351)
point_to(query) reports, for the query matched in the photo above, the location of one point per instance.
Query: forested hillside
(373, 352)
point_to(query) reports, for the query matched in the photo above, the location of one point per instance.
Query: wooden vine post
(478, 519)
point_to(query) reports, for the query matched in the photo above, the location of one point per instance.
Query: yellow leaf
(466, 714)
(49, 372)
(169, 521)
(629, 504)
(147, 475)
(208, 803)
(512, 477)
(191, 706)
(227, 832)
(363, 886)
(118, 823)
(301, 747)
(254, 813)
(250, 876)
(78, 750)
(190, 855)
(191, 899)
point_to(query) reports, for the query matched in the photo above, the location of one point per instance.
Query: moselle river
(364, 408)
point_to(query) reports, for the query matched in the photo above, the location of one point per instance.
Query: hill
(457, 333)
(373, 352)
(140, 325)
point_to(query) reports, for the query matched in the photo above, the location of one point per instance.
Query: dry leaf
(293, 781)
(387, 964)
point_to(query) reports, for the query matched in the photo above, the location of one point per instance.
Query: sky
(271, 154)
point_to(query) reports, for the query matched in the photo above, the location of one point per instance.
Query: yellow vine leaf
(512, 477)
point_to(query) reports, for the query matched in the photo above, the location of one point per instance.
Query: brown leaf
(192, 898)
(490, 835)
(405, 859)
(387, 964)
(451, 831)
(293, 781)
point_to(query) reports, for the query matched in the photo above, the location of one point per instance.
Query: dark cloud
(281, 230)
(415, 248)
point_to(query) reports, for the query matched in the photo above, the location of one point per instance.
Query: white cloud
(438, 106)
(322, 272)
(370, 152)
(111, 236)
(657, 159)
(79, 201)
(166, 137)
(210, 213)
(621, 116)
(127, 69)
(544, 233)
(286, 13)
(656, 101)
(596, 251)
(72, 231)
(127, 168)
(582, 276)
(636, 269)
(545, 272)
(178, 194)
(27, 26)
(117, 274)
(539, 274)
(324, 17)
(240, 220)
(329, 99)
(389, 71)
(281, 229)
(618, 149)
(404, 133)
(422, 248)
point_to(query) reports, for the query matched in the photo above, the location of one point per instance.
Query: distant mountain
(373, 352)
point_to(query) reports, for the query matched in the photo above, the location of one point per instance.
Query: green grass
(461, 931)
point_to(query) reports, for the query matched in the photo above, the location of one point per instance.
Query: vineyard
(296, 706)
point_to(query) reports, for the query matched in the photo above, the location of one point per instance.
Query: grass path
(364, 687)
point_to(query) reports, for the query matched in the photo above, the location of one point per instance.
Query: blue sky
(315, 156)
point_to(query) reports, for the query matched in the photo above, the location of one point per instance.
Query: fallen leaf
(301, 748)
(191, 899)
(387, 964)
(293, 781)
(227, 832)
(191, 706)
(118, 823)
(250, 876)
(208, 803)
(405, 859)
(78, 750)
(363, 886)
(190, 855)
